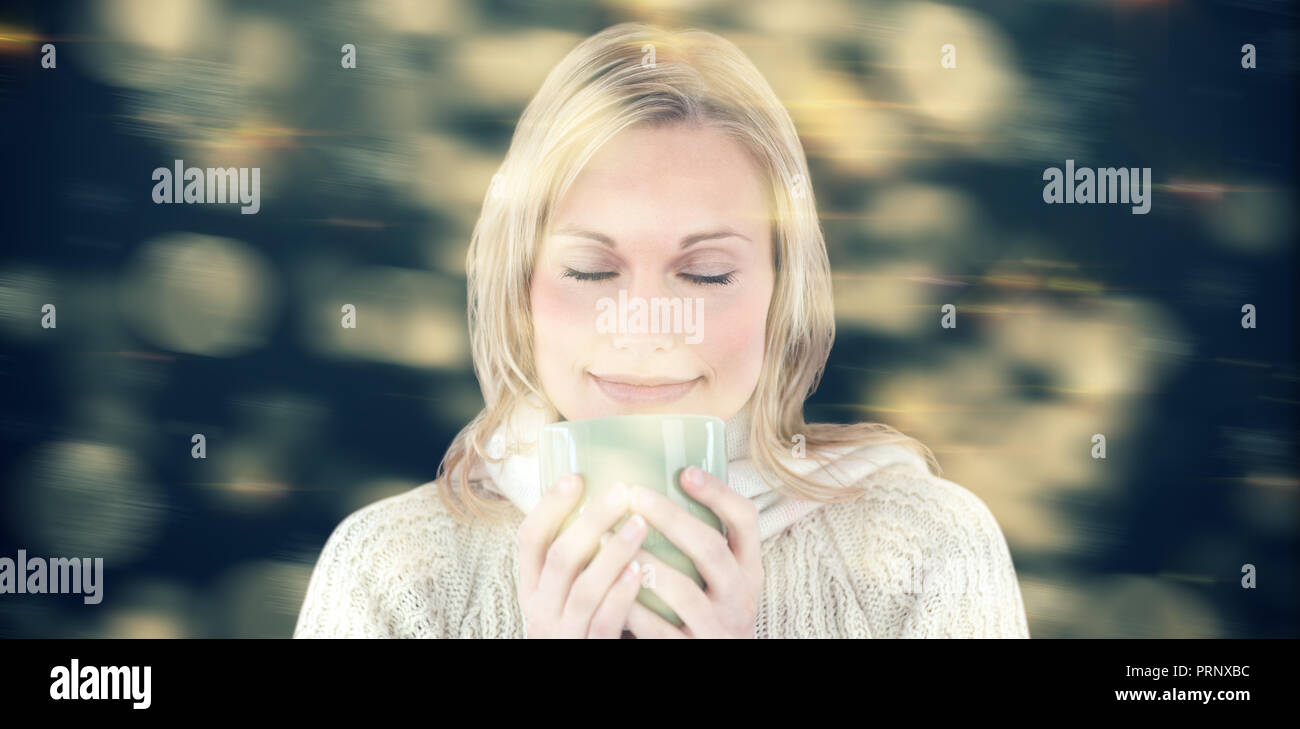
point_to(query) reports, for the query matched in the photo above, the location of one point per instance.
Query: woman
(657, 165)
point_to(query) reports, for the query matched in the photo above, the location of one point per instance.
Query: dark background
(1072, 320)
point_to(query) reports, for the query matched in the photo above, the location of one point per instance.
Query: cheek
(558, 311)
(563, 332)
(734, 339)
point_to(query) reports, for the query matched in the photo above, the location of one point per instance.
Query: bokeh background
(1072, 320)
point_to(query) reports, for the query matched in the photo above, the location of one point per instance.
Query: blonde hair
(625, 75)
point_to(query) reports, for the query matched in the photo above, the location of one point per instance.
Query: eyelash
(722, 279)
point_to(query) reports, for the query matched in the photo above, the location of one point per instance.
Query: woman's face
(651, 287)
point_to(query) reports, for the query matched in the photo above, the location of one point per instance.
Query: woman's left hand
(731, 566)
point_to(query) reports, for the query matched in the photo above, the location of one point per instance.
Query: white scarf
(518, 477)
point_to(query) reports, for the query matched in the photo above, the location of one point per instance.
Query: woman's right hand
(561, 595)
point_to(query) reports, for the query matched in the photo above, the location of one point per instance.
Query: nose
(643, 345)
(645, 333)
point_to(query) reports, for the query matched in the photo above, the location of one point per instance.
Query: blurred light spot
(1258, 221)
(403, 316)
(248, 474)
(446, 246)
(89, 500)
(1095, 352)
(421, 17)
(266, 53)
(148, 609)
(918, 211)
(812, 18)
(509, 68)
(884, 298)
(1094, 372)
(18, 40)
(144, 624)
(837, 122)
(787, 63)
(200, 294)
(1118, 606)
(980, 90)
(165, 26)
(433, 182)
(1136, 606)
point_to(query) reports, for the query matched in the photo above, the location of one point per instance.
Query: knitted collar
(518, 476)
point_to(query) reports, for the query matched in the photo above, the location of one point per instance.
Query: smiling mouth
(627, 393)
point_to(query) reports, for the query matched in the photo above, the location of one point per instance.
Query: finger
(646, 623)
(612, 614)
(540, 525)
(594, 582)
(681, 593)
(737, 513)
(703, 544)
(572, 550)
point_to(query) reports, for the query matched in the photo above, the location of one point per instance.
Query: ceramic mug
(648, 450)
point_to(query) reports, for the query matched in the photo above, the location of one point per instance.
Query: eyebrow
(686, 242)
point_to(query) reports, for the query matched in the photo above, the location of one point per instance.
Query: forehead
(670, 174)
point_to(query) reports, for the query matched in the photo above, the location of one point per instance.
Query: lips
(642, 391)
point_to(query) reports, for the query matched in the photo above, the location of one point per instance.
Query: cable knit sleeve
(402, 567)
(340, 595)
(968, 586)
(928, 559)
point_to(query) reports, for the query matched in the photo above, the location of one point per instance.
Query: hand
(731, 566)
(556, 600)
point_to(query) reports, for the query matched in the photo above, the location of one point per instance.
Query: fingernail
(632, 528)
(568, 483)
(617, 494)
(695, 475)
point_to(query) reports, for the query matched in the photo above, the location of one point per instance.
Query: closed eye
(721, 279)
(584, 276)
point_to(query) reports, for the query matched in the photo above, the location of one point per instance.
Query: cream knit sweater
(916, 556)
